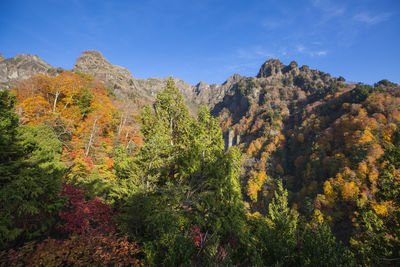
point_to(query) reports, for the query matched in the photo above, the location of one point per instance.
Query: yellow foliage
(366, 137)
(264, 156)
(363, 169)
(373, 175)
(353, 242)
(275, 140)
(34, 110)
(255, 214)
(270, 147)
(328, 189)
(318, 216)
(330, 195)
(362, 113)
(255, 183)
(252, 148)
(350, 191)
(387, 132)
(257, 144)
(379, 209)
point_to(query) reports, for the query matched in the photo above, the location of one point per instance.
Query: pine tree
(31, 176)
(185, 177)
(281, 240)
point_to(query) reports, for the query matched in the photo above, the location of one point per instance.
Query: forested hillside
(292, 167)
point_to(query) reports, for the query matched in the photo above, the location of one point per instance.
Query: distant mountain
(124, 84)
(22, 67)
(117, 78)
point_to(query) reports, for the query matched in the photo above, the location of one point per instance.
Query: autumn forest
(292, 167)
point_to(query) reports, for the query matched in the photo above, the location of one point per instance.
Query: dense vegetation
(81, 186)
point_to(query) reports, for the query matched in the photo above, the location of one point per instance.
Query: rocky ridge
(124, 84)
(117, 78)
(22, 67)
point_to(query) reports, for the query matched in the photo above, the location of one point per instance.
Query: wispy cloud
(329, 9)
(364, 17)
(310, 51)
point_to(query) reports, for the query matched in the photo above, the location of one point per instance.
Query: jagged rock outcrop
(93, 62)
(276, 73)
(216, 96)
(124, 84)
(117, 78)
(211, 94)
(22, 67)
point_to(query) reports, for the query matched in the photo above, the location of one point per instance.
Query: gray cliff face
(22, 67)
(210, 95)
(276, 73)
(272, 73)
(117, 78)
(124, 84)
(94, 63)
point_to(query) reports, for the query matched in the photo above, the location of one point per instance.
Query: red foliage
(82, 216)
(198, 237)
(97, 250)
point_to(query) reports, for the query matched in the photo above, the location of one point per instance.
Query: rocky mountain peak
(22, 67)
(272, 67)
(94, 63)
(1, 57)
(275, 72)
(90, 59)
(234, 78)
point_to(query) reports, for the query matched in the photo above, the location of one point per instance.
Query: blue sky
(210, 40)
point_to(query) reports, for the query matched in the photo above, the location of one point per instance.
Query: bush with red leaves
(84, 216)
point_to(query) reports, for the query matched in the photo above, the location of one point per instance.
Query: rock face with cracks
(118, 79)
(22, 67)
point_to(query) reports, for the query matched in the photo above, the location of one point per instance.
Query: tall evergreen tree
(187, 179)
(31, 176)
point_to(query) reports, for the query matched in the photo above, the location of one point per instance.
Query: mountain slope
(22, 67)
(118, 79)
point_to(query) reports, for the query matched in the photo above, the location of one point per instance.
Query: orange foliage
(350, 191)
